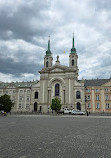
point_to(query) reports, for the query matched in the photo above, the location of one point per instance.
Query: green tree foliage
(5, 103)
(56, 104)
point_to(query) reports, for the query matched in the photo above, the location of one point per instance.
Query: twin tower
(48, 59)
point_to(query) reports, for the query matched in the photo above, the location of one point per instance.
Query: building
(55, 81)
(98, 95)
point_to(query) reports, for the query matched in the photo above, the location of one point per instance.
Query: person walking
(87, 113)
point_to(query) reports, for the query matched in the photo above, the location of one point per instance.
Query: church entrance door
(79, 106)
(35, 106)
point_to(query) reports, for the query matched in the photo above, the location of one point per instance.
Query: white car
(77, 112)
(67, 111)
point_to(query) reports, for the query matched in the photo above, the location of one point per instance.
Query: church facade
(61, 81)
(55, 81)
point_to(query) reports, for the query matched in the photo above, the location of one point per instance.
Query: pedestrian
(87, 113)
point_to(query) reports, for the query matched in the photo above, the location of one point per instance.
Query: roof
(18, 84)
(96, 82)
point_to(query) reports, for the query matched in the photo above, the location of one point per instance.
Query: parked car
(61, 111)
(67, 111)
(77, 112)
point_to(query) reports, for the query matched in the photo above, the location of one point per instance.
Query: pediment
(57, 70)
(107, 84)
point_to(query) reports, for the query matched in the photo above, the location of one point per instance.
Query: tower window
(73, 62)
(57, 89)
(36, 95)
(78, 95)
(47, 64)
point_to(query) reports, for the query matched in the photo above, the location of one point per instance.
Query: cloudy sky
(26, 24)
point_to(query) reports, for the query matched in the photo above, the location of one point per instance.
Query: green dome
(48, 53)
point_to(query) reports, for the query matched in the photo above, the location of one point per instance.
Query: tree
(5, 103)
(56, 104)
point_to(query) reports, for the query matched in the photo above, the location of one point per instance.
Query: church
(61, 81)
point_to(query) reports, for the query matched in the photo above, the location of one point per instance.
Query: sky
(25, 26)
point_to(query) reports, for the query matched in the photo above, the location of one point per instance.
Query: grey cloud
(34, 20)
(7, 66)
(20, 23)
(100, 4)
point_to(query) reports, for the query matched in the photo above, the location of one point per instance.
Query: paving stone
(42, 136)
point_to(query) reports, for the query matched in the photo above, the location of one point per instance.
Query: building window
(10, 92)
(97, 105)
(6, 92)
(28, 98)
(97, 90)
(47, 63)
(27, 106)
(89, 105)
(88, 90)
(36, 95)
(107, 106)
(28, 91)
(14, 91)
(88, 97)
(20, 98)
(57, 89)
(106, 97)
(73, 62)
(97, 97)
(20, 106)
(21, 91)
(106, 89)
(78, 95)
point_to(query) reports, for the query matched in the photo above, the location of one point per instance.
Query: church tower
(48, 57)
(73, 56)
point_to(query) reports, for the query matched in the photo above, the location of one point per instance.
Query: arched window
(72, 62)
(57, 89)
(35, 106)
(78, 95)
(36, 95)
(79, 106)
(47, 63)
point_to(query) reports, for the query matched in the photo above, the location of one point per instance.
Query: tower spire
(48, 52)
(49, 44)
(73, 50)
(73, 41)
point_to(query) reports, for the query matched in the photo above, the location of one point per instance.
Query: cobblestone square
(47, 136)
